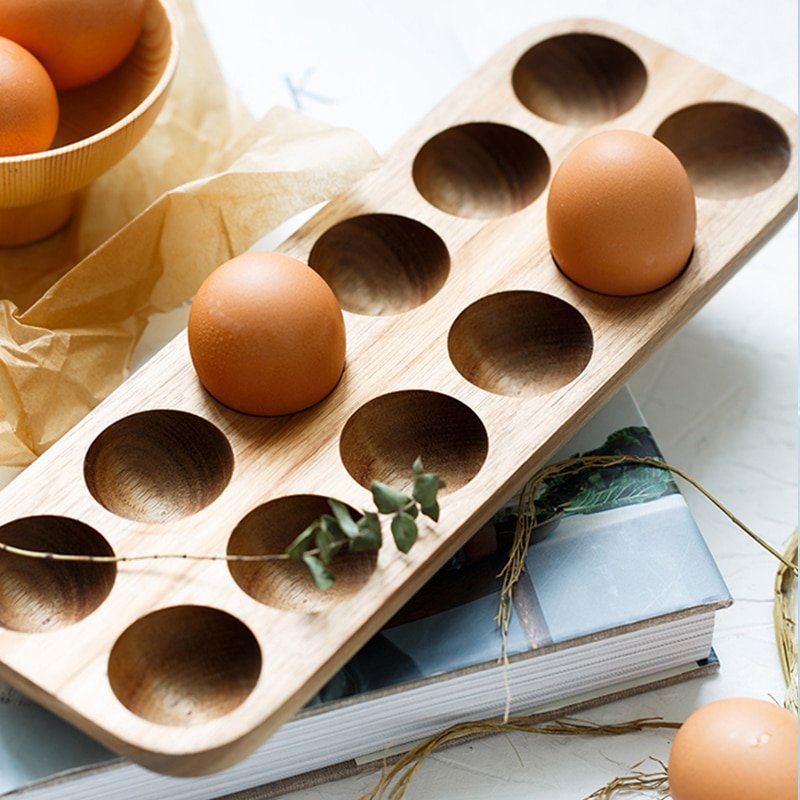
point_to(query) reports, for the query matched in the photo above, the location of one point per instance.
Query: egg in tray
(466, 345)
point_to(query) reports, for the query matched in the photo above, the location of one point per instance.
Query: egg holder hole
(41, 594)
(184, 665)
(381, 263)
(481, 170)
(287, 585)
(520, 343)
(729, 150)
(579, 79)
(155, 466)
(381, 440)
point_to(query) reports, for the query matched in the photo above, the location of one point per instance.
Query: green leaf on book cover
(319, 572)
(595, 490)
(387, 499)
(630, 487)
(404, 531)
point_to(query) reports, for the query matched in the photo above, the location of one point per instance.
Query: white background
(720, 396)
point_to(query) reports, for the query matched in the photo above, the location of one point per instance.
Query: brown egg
(266, 335)
(621, 214)
(735, 749)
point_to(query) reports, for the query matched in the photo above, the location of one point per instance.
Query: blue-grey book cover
(618, 548)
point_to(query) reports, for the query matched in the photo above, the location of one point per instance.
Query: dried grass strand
(510, 572)
(785, 617)
(396, 779)
(637, 781)
(526, 522)
(44, 555)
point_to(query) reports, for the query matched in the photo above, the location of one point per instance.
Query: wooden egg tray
(466, 345)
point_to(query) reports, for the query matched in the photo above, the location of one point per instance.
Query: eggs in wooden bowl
(77, 41)
(100, 120)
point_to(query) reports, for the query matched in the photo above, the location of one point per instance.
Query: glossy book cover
(615, 548)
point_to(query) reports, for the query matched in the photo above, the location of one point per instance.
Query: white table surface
(720, 396)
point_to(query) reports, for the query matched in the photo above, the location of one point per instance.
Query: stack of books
(619, 596)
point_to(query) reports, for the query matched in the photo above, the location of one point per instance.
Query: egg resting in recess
(266, 335)
(621, 215)
(739, 748)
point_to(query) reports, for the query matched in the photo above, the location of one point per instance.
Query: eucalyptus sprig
(340, 530)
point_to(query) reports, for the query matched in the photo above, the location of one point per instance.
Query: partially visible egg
(735, 749)
(266, 335)
(621, 216)
(28, 104)
(78, 41)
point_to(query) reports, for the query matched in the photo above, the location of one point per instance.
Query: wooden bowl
(99, 124)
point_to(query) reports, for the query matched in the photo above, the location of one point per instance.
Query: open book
(619, 595)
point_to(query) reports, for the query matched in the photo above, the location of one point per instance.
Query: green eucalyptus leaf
(370, 521)
(302, 542)
(431, 511)
(331, 526)
(346, 522)
(319, 572)
(330, 533)
(426, 486)
(368, 541)
(388, 500)
(404, 531)
(329, 539)
(323, 541)
(369, 534)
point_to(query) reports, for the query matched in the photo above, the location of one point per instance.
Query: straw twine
(784, 611)
(395, 780)
(785, 615)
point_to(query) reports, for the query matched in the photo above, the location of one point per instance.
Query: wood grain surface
(186, 666)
